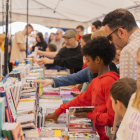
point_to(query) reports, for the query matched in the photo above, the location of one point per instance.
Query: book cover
(2, 113)
(13, 97)
(4, 130)
(83, 135)
(7, 110)
(9, 127)
(17, 132)
(75, 123)
(10, 102)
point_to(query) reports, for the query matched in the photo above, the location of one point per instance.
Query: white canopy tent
(68, 13)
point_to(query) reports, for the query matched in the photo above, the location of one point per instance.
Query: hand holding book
(51, 116)
(80, 114)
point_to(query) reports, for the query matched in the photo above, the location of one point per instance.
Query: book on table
(81, 128)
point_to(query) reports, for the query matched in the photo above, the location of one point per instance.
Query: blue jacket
(76, 78)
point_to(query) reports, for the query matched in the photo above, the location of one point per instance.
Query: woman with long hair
(51, 38)
(40, 42)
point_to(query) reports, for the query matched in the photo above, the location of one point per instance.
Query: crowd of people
(104, 65)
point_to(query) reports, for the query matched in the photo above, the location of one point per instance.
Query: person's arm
(47, 54)
(101, 118)
(127, 65)
(74, 62)
(72, 79)
(20, 41)
(83, 99)
(21, 47)
(9, 48)
(66, 80)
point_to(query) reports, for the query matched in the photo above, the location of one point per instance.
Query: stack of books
(50, 74)
(51, 105)
(12, 131)
(27, 107)
(47, 133)
(66, 93)
(10, 104)
(81, 128)
(50, 93)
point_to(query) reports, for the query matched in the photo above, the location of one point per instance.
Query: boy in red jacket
(99, 54)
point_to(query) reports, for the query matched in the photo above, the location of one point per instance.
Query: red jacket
(97, 94)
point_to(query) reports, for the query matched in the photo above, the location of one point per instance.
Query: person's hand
(52, 116)
(40, 53)
(44, 82)
(112, 136)
(79, 86)
(44, 61)
(40, 62)
(34, 44)
(80, 115)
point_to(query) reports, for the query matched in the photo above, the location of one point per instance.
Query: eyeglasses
(109, 37)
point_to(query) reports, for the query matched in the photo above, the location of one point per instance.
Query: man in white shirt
(122, 30)
(59, 40)
(19, 44)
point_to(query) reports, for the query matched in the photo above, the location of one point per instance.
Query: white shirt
(130, 125)
(128, 57)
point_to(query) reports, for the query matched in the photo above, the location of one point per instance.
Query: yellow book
(57, 133)
(40, 89)
(26, 100)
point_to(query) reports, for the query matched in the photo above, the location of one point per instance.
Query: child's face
(118, 107)
(92, 65)
(114, 105)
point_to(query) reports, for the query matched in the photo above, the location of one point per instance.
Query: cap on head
(69, 34)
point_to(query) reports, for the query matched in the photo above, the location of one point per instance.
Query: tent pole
(11, 18)
(6, 40)
(3, 14)
(27, 30)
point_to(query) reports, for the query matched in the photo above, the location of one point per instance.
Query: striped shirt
(128, 57)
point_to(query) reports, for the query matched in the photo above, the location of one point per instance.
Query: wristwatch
(112, 132)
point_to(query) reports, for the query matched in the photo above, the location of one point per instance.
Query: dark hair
(52, 47)
(123, 89)
(101, 47)
(97, 23)
(40, 35)
(49, 41)
(81, 27)
(86, 37)
(29, 25)
(120, 18)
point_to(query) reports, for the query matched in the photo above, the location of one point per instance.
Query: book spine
(7, 111)
(7, 115)
(11, 115)
(10, 101)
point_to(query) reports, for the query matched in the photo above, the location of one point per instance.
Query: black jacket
(69, 58)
